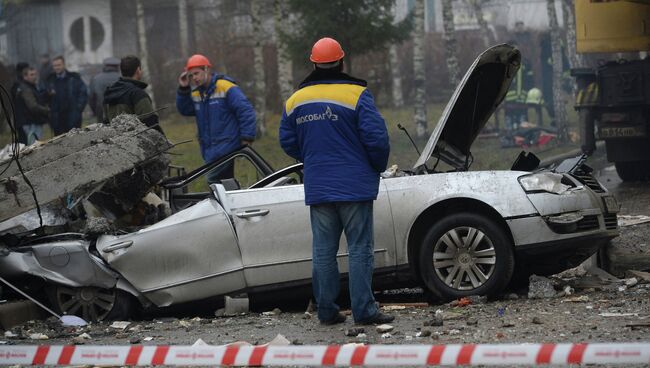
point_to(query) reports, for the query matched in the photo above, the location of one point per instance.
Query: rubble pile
(100, 170)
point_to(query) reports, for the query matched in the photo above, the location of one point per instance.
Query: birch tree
(570, 24)
(144, 53)
(558, 99)
(396, 77)
(420, 103)
(258, 65)
(183, 28)
(285, 64)
(477, 8)
(450, 42)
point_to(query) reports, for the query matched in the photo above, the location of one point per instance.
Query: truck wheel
(633, 170)
(465, 254)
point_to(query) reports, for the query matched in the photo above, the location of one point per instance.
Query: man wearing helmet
(331, 124)
(224, 116)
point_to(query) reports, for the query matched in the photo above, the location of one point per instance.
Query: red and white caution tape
(334, 355)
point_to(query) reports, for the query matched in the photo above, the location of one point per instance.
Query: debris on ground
(235, 306)
(99, 171)
(384, 328)
(120, 325)
(631, 220)
(540, 287)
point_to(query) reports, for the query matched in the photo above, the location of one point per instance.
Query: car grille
(611, 222)
(589, 181)
(589, 222)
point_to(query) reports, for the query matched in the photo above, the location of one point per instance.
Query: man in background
(109, 75)
(224, 116)
(127, 95)
(68, 97)
(20, 67)
(34, 114)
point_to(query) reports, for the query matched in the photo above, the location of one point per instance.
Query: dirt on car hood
(477, 96)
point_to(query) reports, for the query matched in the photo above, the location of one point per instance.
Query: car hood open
(475, 99)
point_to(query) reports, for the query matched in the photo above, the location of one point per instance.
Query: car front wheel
(92, 303)
(465, 254)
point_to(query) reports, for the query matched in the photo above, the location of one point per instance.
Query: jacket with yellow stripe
(224, 116)
(331, 124)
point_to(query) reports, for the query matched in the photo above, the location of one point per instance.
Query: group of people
(51, 95)
(59, 98)
(332, 125)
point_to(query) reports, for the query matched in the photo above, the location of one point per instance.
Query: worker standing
(331, 124)
(109, 75)
(224, 117)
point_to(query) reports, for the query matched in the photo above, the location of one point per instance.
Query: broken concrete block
(540, 287)
(235, 306)
(125, 159)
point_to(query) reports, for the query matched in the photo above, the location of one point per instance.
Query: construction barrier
(334, 355)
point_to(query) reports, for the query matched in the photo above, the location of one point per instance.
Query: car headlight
(543, 182)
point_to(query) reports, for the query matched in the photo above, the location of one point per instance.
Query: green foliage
(359, 25)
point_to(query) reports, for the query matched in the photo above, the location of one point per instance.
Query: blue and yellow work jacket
(224, 116)
(334, 128)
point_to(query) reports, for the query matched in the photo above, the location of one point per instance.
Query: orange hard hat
(197, 60)
(326, 50)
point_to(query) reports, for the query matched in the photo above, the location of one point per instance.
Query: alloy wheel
(90, 303)
(464, 258)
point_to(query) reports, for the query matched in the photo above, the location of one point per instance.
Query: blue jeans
(33, 132)
(328, 221)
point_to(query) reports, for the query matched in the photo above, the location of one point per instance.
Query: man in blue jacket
(224, 116)
(331, 124)
(68, 97)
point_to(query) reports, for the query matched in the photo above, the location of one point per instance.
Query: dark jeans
(328, 221)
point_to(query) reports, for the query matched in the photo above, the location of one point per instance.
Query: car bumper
(545, 252)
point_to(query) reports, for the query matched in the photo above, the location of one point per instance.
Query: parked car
(454, 231)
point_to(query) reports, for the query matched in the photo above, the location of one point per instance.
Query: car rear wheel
(465, 254)
(93, 303)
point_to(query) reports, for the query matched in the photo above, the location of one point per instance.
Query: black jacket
(127, 96)
(29, 109)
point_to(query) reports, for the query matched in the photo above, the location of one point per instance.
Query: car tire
(92, 303)
(483, 266)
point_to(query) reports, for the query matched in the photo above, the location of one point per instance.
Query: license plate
(611, 205)
(622, 132)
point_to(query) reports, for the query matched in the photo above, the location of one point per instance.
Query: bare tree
(144, 53)
(396, 77)
(285, 64)
(450, 42)
(420, 103)
(258, 65)
(477, 8)
(556, 46)
(183, 28)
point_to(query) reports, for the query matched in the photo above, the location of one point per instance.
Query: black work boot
(377, 319)
(339, 318)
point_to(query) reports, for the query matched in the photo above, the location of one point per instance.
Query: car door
(191, 255)
(274, 231)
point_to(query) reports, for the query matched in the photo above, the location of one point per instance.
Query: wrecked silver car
(455, 232)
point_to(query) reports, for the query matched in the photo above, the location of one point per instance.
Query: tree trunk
(144, 53)
(285, 64)
(570, 24)
(420, 102)
(558, 99)
(398, 96)
(183, 28)
(478, 13)
(258, 65)
(396, 77)
(450, 42)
